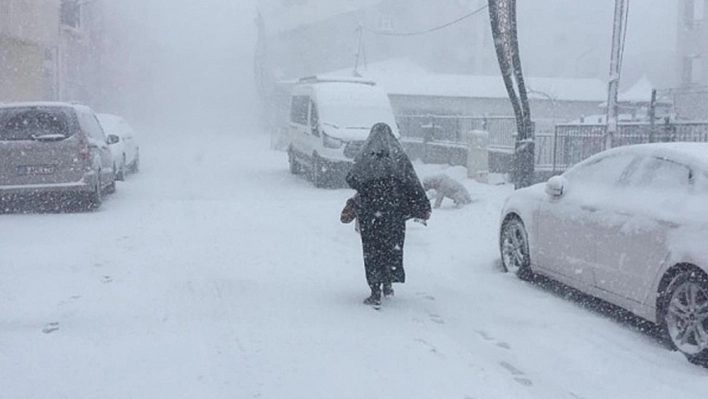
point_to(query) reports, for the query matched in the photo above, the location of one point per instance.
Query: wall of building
(29, 31)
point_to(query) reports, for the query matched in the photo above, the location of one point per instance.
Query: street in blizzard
(337, 200)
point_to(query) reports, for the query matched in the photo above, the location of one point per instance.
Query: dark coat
(389, 193)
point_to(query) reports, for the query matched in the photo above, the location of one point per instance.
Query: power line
(422, 32)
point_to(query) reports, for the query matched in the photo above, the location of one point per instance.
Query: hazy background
(184, 64)
(189, 64)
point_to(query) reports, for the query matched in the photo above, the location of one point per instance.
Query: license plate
(35, 170)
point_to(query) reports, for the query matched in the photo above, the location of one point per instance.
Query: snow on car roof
(692, 154)
(39, 104)
(350, 94)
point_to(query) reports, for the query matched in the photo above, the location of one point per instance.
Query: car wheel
(111, 189)
(94, 199)
(294, 166)
(135, 168)
(514, 245)
(120, 172)
(318, 172)
(685, 315)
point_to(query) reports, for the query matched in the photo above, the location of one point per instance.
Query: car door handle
(588, 208)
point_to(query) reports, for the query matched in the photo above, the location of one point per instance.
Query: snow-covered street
(214, 273)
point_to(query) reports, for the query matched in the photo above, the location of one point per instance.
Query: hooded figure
(388, 194)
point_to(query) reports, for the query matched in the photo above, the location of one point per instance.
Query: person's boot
(375, 298)
(388, 290)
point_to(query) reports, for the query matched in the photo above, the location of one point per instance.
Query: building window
(71, 13)
(386, 23)
(692, 70)
(699, 10)
(694, 12)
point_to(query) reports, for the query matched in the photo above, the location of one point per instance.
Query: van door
(300, 135)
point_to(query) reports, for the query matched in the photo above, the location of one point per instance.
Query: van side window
(299, 109)
(314, 119)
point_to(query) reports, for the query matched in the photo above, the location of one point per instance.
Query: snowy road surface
(216, 274)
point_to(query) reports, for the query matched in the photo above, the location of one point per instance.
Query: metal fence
(558, 146)
(574, 143)
(454, 128)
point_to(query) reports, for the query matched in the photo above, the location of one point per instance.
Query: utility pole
(615, 72)
(502, 15)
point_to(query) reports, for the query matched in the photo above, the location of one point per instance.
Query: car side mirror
(315, 131)
(556, 186)
(112, 139)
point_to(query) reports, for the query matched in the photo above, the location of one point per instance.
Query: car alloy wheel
(515, 248)
(686, 315)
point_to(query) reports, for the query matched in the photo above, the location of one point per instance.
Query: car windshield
(32, 123)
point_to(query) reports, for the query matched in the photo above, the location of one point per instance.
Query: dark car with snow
(54, 148)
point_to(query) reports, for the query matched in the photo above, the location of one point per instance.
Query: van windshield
(355, 117)
(34, 123)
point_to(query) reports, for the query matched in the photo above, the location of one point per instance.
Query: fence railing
(574, 143)
(558, 146)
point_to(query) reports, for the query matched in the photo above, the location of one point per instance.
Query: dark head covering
(382, 164)
(381, 157)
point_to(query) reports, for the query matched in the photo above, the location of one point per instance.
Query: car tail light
(83, 149)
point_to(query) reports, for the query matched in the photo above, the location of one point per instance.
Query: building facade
(47, 49)
(29, 42)
(692, 43)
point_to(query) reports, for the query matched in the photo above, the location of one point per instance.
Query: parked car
(125, 150)
(55, 148)
(629, 226)
(330, 119)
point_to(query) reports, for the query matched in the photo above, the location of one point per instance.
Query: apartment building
(29, 42)
(47, 49)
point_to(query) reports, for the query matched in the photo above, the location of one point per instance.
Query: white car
(330, 120)
(629, 226)
(126, 152)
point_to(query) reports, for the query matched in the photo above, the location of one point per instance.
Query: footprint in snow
(425, 296)
(491, 339)
(50, 327)
(106, 279)
(517, 374)
(435, 318)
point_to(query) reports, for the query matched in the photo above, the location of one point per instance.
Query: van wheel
(295, 167)
(136, 163)
(318, 172)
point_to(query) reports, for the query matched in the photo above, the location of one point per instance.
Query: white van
(330, 119)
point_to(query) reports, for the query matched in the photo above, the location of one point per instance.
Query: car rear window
(34, 123)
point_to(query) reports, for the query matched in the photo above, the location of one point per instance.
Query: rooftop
(403, 77)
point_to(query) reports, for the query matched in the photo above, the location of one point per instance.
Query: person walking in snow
(388, 193)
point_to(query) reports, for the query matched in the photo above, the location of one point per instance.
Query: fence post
(652, 116)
